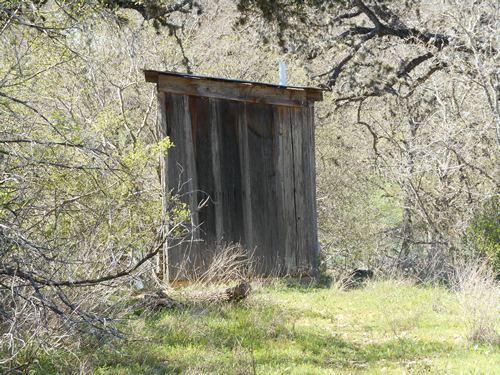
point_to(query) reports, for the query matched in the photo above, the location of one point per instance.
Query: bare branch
(153, 10)
(414, 63)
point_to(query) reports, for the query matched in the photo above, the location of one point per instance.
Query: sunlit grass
(386, 327)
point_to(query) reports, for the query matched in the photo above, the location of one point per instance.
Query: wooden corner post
(162, 258)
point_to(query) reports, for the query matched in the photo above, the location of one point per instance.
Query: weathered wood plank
(248, 241)
(312, 183)
(232, 86)
(216, 167)
(176, 173)
(230, 172)
(236, 91)
(181, 176)
(262, 175)
(275, 207)
(284, 187)
(308, 214)
(162, 259)
(201, 132)
(192, 175)
(300, 190)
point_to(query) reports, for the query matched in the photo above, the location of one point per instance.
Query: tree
(421, 82)
(407, 139)
(80, 202)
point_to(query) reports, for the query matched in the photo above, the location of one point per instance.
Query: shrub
(483, 235)
(479, 297)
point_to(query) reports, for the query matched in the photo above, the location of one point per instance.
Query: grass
(387, 327)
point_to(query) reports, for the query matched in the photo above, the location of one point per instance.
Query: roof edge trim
(214, 87)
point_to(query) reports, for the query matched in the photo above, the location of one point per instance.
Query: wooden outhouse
(243, 160)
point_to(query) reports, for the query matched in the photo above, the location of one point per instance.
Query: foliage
(413, 107)
(407, 153)
(483, 235)
(80, 198)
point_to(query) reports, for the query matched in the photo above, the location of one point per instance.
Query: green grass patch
(387, 327)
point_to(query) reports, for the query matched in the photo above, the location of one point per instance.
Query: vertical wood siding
(253, 166)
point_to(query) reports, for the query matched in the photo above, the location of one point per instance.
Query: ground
(391, 327)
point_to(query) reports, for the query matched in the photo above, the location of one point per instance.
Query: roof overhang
(232, 89)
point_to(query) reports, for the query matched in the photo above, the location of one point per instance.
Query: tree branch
(17, 272)
(152, 10)
(409, 35)
(414, 63)
(368, 12)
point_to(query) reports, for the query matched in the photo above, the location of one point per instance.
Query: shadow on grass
(212, 341)
(334, 352)
(303, 284)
